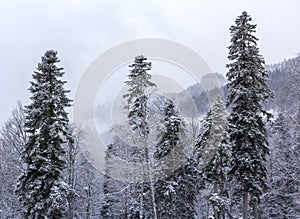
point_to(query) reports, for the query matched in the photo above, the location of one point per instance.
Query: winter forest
(237, 157)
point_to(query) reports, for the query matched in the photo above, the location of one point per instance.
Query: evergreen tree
(169, 151)
(139, 83)
(139, 80)
(247, 92)
(215, 172)
(108, 188)
(41, 188)
(186, 189)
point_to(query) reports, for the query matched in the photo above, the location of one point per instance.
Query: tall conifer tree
(247, 92)
(139, 82)
(41, 188)
(169, 151)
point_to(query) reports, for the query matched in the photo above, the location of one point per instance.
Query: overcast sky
(82, 30)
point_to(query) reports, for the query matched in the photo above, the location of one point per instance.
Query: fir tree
(215, 172)
(167, 154)
(108, 188)
(139, 80)
(41, 188)
(247, 92)
(139, 83)
(187, 188)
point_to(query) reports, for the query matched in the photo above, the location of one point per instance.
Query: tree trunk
(88, 202)
(149, 175)
(126, 205)
(142, 197)
(172, 206)
(254, 207)
(245, 205)
(71, 181)
(149, 171)
(223, 209)
(216, 212)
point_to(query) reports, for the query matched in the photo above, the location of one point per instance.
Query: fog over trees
(237, 157)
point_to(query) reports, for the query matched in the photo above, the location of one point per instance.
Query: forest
(237, 157)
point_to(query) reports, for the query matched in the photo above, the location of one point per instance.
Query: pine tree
(169, 151)
(108, 188)
(41, 188)
(139, 80)
(139, 83)
(215, 172)
(247, 92)
(186, 190)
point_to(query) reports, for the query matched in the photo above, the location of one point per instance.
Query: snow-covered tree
(247, 91)
(139, 80)
(215, 171)
(40, 188)
(187, 179)
(12, 140)
(72, 153)
(119, 200)
(139, 83)
(88, 189)
(110, 201)
(169, 151)
(282, 199)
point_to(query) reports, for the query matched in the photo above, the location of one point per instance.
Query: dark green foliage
(138, 79)
(169, 152)
(40, 188)
(247, 91)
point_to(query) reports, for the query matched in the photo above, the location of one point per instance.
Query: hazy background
(82, 30)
